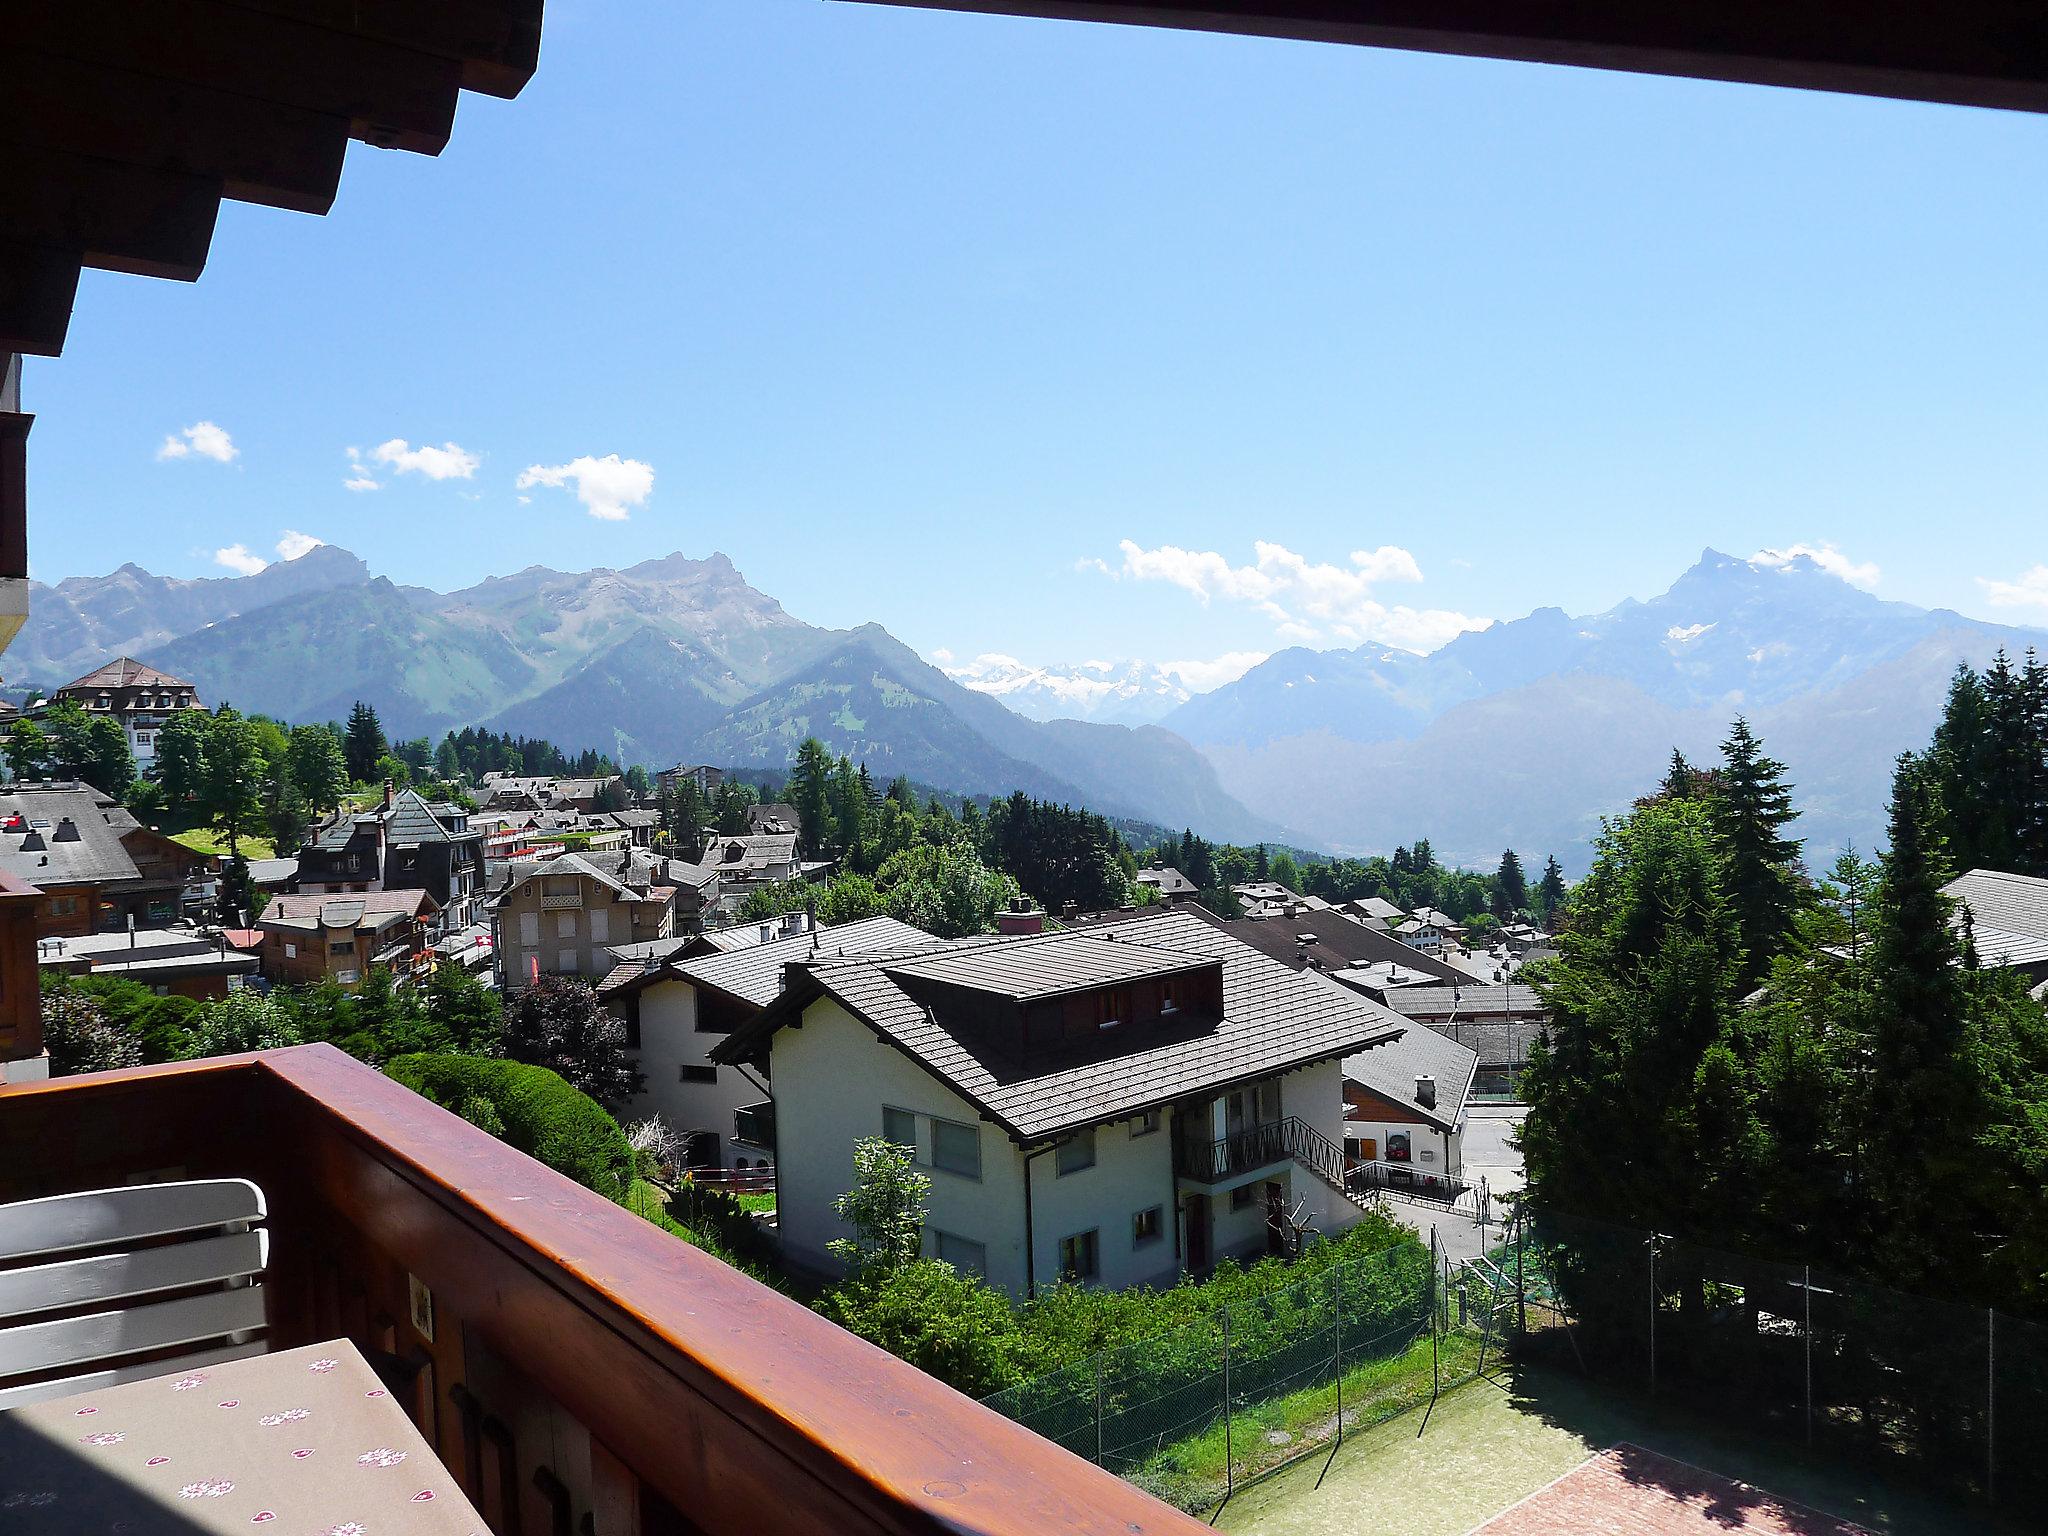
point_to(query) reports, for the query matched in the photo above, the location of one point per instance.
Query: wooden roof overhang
(124, 123)
(1976, 53)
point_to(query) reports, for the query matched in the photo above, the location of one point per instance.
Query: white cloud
(450, 461)
(239, 559)
(608, 487)
(202, 438)
(294, 544)
(2030, 591)
(941, 657)
(1827, 557)
(1201, 676)
(1306, 600)
(360, 476)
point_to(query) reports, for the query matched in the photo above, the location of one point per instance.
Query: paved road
(1487, 1154)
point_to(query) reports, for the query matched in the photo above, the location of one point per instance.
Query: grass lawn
(206, 840)
(1261, 1437)
(1494, 1441)
(762, 1204)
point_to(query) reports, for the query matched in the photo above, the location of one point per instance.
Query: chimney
(1023, 916)
(1425, 1091)
(387, 794)
(67, 831)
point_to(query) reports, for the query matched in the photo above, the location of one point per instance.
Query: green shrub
(947, 1324)
(541, 1114)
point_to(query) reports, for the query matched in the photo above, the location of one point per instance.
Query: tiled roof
(2008, 914)
(1390, 1070)
(68, 835)
(1340, 941)
(1466, 1002)
(125, 672)
(1170, 881)
(1063, 962)
(406, 903)
(755, 972)
(1274, 1020)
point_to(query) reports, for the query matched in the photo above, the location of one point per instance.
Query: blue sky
(1024, 337)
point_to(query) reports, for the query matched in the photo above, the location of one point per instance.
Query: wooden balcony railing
(576, 1368)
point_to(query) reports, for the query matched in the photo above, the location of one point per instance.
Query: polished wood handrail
(742, 1408)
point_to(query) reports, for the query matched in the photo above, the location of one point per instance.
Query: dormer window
(1108, 1008)
(1168, 1002)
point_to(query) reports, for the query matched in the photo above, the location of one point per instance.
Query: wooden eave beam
(260, 151)
(397, 98)
(123, 218)
(1979, 53)
(497, 41)
(38, 287)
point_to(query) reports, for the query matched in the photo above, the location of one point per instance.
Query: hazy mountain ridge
(667, 660)
(1527, 733)
(1111, 692)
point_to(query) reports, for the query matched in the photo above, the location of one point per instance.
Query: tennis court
(1628, 1491)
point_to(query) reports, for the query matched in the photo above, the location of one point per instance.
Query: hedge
(542, 1115)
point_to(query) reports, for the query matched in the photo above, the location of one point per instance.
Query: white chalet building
(680, 998)
(1116, 1104)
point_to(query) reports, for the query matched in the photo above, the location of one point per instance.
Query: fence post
(1229, 1458)
(1098, 1410)
(1990, 1405)
(1806, 1333)
(1521, 1289)
(1337, 1281)
(1435, 1350)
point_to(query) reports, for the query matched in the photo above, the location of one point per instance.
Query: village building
(310, 938)
(678, 1002)
(1500, 1023)
(561, 916)
(1173, 886)
(405, 843)
(1112, 1104)
(705, 778)
(171, 962)
(1404, 1113)
(97, 868)
(140, 697)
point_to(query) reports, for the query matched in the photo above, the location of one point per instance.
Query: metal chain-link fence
(1956, 1395)
(1193, 1414)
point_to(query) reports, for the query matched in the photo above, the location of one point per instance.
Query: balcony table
(306, 1442)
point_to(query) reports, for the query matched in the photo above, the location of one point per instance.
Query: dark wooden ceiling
(123, 123)
(1979, 53)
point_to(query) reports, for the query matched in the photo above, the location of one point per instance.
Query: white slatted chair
(180, 1264)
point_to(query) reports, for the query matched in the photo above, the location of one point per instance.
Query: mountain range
(671, 660)
(1526, 733)
(1119, 692)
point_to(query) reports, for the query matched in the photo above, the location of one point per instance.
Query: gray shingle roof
(2009, 915)
(755, 972)
(1473, 1002)
(44, 851)
(1064, 962)
(1390, 1070)
(1339, 941)
(1274, 1020)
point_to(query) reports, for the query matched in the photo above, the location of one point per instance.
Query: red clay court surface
(1628, 1491)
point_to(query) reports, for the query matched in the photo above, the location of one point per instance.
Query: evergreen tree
(1511, 887)
(1550, 890)
(109, 766)
(810, 791)
(1751, 811)
(1679, 778)
(363, 743)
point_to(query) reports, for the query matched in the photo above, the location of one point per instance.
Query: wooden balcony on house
(577, 1369)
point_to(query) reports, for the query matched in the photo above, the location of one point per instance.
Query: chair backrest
(115, 1285)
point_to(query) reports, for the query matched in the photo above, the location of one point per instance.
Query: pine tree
(1678, 778)
(363, 743)
(1751, 811)
(1511, 886)
(1550, 890)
